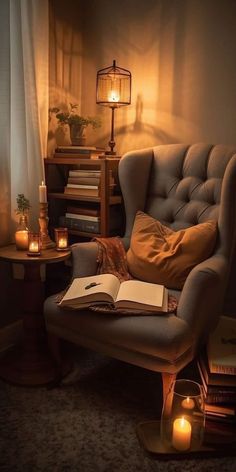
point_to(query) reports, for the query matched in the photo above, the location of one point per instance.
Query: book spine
(83, 211)
(221, 369)
(221, 398)
(84, 180)
(80, 225)
(219, 409)
(87, 192)
(72, 155)
(221, 380)
(82, 149)
(83, 187)
(82, 217)
(84, 173)
(72, 150)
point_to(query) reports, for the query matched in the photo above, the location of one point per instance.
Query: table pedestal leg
(31, 363)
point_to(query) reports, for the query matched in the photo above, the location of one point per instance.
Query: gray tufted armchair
(181, 186)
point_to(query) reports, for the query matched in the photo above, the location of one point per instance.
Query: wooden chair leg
(167, 380)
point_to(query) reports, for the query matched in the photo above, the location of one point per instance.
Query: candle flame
(182, 421)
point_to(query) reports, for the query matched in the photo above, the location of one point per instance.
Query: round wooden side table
(31, 363)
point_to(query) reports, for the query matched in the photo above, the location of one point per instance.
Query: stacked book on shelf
(87, 219)
(81, 219)
(82, 152)
(217, 368)
(86, 182)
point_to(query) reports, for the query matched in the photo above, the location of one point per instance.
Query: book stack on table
(217, 368)
(82, 152)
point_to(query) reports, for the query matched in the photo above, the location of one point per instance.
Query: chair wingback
(182, 185)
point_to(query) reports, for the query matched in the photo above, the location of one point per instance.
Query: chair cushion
(160, 255)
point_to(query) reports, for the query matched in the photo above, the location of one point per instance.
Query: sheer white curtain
(23, 106)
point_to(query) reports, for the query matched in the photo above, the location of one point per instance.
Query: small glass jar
(183, 417)
(61, 238)
(22, 234)
(34, 244)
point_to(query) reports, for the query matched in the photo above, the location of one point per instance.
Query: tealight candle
(188, 403)
(62, 243)
(182, 431)
(34, 244)
(61, 237)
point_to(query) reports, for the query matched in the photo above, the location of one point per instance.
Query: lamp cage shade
(113, 86)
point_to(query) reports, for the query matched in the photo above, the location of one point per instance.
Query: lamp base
(110, 153)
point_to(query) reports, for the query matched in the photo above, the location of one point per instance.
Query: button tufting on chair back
(178, 184)
(185, 183)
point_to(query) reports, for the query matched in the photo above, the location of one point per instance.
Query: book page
(102, 287)
(141, 293)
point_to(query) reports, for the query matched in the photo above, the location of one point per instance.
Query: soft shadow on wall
(137, 134)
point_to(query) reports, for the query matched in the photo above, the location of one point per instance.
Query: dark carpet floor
(88, 424)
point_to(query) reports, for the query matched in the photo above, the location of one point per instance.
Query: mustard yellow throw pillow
(160, 255)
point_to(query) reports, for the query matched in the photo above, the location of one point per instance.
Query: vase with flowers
(76, 122)
(22, 231)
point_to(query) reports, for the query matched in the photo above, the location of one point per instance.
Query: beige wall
(181, 54)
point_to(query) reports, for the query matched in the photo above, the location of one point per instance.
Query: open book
(107, 289)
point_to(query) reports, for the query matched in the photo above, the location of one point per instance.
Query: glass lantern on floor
(183, 417)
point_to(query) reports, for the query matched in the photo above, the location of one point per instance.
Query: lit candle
(34, 246)
(61, 237)
(182, 432)
(42, 193)
(22, 239)
(188, 403)
(62, 243)
(113, 96)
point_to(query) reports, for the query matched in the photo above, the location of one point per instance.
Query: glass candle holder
(34, 244)
(183, 417)
(61, 238)
(22, 234)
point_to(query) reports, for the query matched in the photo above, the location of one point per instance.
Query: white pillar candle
(182, 431)
(42, 193)
(188, 403)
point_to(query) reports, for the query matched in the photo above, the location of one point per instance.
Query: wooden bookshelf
(56, 175)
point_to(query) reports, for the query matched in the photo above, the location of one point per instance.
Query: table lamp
(113, 90)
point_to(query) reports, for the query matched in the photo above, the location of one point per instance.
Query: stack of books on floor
(82, 152)
(86, 182)
(217, 368)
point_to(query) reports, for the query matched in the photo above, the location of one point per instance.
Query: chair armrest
(84, 259)
(201, 300)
